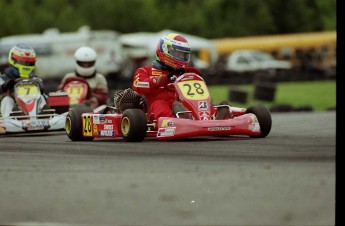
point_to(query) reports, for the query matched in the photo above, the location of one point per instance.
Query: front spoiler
(177, 128)
(11, 125)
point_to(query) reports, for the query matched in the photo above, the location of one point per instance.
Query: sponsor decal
(108, 127)
(202, 105)
(254, 118)
(166, 132)
(156, 72)
(106, 133)
(219, 128)
(255, 127)
(139, 84)
(57, 94)
(102, 119)
(36, 125)
(204, 115)
(95, 129)
(167, 122)
(189, 77)
(95, 119)
(143, 85)
(136, 81)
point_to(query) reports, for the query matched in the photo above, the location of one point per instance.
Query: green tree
(303, 15)
(206, 18)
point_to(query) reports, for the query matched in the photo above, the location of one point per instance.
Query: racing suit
(159, 96)
(7, 82)
(97, 83)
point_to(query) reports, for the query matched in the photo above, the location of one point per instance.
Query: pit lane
(287, 178)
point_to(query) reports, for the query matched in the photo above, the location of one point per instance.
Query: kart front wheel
(133, 125)
(74, 125)
(263, 115)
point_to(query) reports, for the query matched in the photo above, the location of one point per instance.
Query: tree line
(205, 18)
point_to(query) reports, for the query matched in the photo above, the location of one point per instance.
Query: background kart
(30, 114)
(75, 91)
(195, 117)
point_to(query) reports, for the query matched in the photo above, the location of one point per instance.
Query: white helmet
(85, 61)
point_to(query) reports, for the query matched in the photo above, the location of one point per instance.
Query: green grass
(320, 95)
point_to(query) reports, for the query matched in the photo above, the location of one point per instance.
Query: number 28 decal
(87, 127)
(194, 90)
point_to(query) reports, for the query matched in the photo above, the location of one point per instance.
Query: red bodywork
(75, 91)
(108, 125)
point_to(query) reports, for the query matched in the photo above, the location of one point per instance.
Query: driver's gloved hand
(173, 78)
(176, 72)
(161, 80)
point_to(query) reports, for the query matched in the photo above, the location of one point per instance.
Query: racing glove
(173, 75)
(166, 79)
(176, 73)
(161, 80)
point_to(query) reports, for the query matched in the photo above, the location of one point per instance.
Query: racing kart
(195, 116)
(30, 114)
(75, 91)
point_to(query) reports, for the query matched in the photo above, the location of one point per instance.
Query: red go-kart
(195, 116)
(75, 91)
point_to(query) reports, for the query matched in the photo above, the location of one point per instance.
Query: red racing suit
(160, 97)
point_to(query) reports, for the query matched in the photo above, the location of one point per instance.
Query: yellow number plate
(194, 90)
(75, 92)
(28, 89)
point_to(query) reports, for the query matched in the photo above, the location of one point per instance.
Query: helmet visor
(25, 63)
(180, 53)
(86, 64)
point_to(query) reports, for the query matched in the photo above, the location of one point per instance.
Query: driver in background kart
(85, 68)
(22, 60)
(172, 53)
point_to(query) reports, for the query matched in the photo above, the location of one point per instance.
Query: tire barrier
(264, 91)
(237, 95)
(304, 108)
(281, 108)
(290, 108)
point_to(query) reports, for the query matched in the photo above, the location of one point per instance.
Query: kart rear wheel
(74, 125)
(263, 115)
(133, 125)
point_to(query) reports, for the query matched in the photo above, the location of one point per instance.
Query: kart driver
(172, 53)
(85, 68)
(22, 59)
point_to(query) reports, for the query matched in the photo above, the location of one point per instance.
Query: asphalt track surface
(287, 178)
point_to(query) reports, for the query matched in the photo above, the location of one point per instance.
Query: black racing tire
(74, 125)
(263, 115)
(133, 125)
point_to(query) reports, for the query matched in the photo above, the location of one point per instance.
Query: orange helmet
(173, 50)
